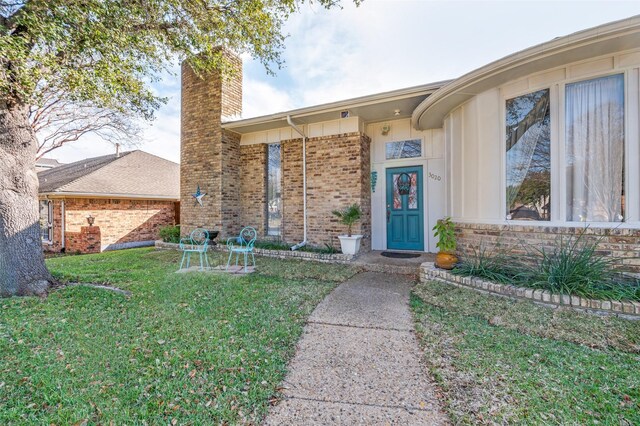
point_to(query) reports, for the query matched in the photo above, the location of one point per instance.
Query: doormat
(397, 255)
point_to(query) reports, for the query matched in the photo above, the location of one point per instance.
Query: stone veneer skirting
(428, 272)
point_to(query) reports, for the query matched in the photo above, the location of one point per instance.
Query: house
(109, 202)
(46, 164)
(541, 143)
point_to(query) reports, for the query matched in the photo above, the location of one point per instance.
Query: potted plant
(444, 230)
(348, 216)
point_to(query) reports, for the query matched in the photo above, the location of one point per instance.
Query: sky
(380, 46)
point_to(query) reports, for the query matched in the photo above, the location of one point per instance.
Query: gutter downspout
(304, 181)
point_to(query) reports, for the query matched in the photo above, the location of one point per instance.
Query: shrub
(495, 265)
(170, 234)
(574, 266)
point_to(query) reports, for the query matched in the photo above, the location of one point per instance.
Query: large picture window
(274, 191)
(594, 146)
(528, 157)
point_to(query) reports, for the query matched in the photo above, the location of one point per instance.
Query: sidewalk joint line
(360, 326)
(364, 404)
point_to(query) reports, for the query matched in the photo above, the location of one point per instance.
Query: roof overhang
(56, 194)
(598, 41)
(372, 108)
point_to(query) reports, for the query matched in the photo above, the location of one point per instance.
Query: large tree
(105, 54)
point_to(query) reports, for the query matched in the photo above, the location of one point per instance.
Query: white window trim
(49, 223)
(558, 176)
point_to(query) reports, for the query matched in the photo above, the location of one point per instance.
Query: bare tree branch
(59, 121)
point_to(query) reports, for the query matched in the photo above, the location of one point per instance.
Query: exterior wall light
(90, 219)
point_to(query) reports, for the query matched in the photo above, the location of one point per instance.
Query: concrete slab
(369, 299)
(305, 412)
(375, 256)
(358, 361)
(359, 365)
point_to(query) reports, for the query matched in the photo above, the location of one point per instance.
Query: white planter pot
(350, 245)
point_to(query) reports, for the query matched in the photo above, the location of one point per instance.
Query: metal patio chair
(197, 242)
(242, 244)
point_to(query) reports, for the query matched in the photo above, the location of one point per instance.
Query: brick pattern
(209, 156)
(253, 187)
(117, 222)
(88, 240)
(618, 242)
(292, 197)
(337, 175)
(623, 309)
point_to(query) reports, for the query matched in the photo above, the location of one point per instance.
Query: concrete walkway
(358, 361)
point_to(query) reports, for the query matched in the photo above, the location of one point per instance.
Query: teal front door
(405, 221)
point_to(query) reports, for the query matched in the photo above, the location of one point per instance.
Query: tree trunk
(22, 268)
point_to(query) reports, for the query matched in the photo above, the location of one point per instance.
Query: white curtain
(594, 140)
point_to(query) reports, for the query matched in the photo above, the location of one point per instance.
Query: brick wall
(622, 243)
(292, 198)
(337, 176)
(118, 221)
(253, 188)
(209, 156)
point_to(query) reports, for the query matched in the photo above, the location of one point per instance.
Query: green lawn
(502, 361)
(183, 349)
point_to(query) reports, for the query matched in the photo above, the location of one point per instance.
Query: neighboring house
(538, 144)
(46, 163)
(129, 197)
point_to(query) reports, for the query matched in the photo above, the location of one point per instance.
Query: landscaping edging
(280, 254)
(428, 272)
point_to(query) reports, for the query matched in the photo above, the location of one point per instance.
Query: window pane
(404, 149)
(528, 160)
(594, 141)
(274, 191)
(45, 220)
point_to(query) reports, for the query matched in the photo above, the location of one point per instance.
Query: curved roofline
(611, 37)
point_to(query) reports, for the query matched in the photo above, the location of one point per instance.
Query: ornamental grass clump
(496, 265)
(574, 266)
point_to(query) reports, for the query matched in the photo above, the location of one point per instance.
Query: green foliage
(499, 361)
(349, 216)
(280, 245)
(494, 265)
(445, 232)
(572, 266)
(108, 51)
(272, 245)
(198, 348)
(170, 234)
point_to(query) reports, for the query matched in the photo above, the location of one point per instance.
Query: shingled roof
(133, 174)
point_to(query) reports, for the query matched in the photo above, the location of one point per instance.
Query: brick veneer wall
(253, 187)
(209, 156)
(292, 196)
(337, 176)
(118, 221)
(619, 242)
